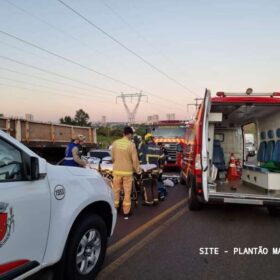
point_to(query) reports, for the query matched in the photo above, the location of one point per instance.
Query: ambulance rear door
(204, 149)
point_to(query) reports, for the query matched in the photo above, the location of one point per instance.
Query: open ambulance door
(204, 150)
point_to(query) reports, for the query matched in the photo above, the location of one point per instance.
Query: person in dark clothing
(151, 153)
(162, 161)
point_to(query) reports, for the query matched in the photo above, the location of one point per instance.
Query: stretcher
(106, 170)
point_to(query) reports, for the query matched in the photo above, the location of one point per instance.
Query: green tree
(67, 120)
(117, 132)
(141, 129)
(102, 131)
(82, 118)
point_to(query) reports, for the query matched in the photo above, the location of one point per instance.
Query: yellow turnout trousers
(125, 183)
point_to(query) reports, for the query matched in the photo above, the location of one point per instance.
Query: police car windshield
(169, 131)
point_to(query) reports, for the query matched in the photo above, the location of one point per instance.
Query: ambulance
(215, 166)
(51, 216)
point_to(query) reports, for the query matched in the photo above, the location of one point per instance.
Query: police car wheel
(86, 249)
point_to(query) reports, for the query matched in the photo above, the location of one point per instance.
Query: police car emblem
(59, 192)
(7, 222)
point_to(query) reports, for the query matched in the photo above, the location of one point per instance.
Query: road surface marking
(108, 270)
(113, 248)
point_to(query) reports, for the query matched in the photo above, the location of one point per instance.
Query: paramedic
(125, 162)
(72, 152)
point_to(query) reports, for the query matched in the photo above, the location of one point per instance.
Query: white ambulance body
(215, 166)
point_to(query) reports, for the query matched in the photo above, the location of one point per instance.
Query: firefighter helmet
(148, 136)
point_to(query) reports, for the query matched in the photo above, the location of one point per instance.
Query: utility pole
(131, 113)
(194, 104)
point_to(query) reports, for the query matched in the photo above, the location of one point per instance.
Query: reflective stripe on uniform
(123, 144)
(68, 158)
(124, 173)
(126, 203)
(148, 156)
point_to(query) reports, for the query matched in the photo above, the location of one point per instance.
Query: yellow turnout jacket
(125, 158)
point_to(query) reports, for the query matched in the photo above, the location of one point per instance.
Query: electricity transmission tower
(131, 113)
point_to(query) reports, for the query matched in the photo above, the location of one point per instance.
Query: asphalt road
(165, 242)
(169, 248)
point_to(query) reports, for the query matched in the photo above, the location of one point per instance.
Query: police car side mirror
(34, 169)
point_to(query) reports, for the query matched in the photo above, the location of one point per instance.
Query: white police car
(51, 215)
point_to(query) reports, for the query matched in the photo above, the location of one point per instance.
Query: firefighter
(151, 153)
(162, 160)
(125, 161)
(72, 152)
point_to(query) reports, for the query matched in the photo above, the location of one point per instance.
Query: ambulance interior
(231, 170)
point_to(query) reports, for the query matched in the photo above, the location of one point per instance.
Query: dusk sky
(221, 45)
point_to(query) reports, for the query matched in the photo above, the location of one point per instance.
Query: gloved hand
(139, 172)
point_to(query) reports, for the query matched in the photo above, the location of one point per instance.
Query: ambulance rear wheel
(194, 203)
(85, 250)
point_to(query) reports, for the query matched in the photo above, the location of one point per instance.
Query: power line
(126, 48)
(78, 81)
(48, 92)
(66, 95)
(48, 80)
(46, 87)
(55, 28)
(22, 50)
(52, 73)
(68, 60)
(125, 22)
(75, 63)
(74, 38)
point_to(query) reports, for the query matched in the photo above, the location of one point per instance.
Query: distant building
(170, 117)
(152, 119)
(103, 120)
(29, 117)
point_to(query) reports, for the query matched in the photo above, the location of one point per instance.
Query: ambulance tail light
(276, 93)
(197, 162)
